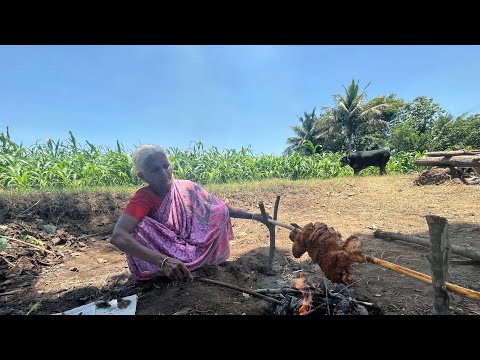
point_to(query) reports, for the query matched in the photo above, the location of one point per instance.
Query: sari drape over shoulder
(190, 225)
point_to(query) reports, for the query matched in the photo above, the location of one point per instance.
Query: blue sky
(223, 95)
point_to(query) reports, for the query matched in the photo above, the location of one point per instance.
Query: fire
(307, 299)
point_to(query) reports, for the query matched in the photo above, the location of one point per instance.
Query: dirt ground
(81, 266)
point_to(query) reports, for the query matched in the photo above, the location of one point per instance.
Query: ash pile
(311, 293)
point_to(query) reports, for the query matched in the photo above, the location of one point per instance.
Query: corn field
(69, 165)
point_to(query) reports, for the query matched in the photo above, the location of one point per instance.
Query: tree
(459, 133)
(405, 138)
(351, 112)
(391, 112)
(420, 125)
(438, 133)
(421, 111)
(307, 133)
(370, 138)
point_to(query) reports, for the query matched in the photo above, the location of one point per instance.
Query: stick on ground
(465, 251)
(27, 243)
(247, 291)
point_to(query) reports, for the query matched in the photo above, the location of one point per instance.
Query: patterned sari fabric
(190, 225)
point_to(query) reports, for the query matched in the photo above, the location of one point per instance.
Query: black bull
(360, 160)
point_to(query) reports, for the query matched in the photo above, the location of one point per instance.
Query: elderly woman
(172, 227)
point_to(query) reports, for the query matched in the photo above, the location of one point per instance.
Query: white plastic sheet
(128, 307)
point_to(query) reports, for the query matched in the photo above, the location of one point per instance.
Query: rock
(362, 310)
(57, 241)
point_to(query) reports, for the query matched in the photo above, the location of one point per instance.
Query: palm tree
(307, 134)
(351, 112)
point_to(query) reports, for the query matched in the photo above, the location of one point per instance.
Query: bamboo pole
(282, 224)
(472, 294)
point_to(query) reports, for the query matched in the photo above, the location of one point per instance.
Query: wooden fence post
(439, 258)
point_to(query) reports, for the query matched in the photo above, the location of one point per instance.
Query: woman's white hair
(141, 154)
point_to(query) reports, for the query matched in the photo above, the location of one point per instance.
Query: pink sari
(191, 225)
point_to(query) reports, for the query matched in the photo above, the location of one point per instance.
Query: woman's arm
(242, 214)
(124, 241)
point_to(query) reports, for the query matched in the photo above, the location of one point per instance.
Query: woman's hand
(175, 270)
(259, 218)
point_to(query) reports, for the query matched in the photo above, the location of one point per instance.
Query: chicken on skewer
(326, 248)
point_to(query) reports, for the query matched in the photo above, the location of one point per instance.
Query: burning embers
(326, 248)
(318, 295)
(307, 299)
